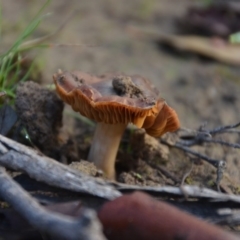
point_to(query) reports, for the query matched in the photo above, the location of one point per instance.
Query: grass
(11, 60)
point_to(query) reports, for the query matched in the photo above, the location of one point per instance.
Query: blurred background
(142, 37)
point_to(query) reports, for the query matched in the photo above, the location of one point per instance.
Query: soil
(40, 112)
(201, 91)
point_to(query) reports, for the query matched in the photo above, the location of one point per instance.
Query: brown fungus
(113, 101)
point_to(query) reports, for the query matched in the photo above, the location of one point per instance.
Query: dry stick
(19, 157)
(214, 162)
(167, 173)
(233, 145)
(86, 227)
(196, 141)
(223, 128)
(203, 135)
(230, 131)
(191, 191)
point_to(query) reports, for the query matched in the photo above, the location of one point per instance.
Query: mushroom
(114, 101)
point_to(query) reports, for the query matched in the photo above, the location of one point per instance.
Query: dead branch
(191, 191)
(204, 135)
(222, 129)
(199, 139)
(218, 141)
(21, 158)
(214, 162)
(166, 173)
(86, 227)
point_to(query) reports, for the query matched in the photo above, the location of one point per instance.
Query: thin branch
(19, 157)
(166, 173)
(198, 137)
(223, 128)
(60, 226)
(228, 144)
(191, 191)
(231, 131)
(214, 162)
(200, 140)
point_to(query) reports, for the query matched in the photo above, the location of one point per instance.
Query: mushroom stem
(105, 145)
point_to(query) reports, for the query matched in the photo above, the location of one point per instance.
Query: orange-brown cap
(117, 99)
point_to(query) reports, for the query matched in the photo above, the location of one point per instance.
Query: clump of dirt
(139, 157)
(124, 86)
(40, 112)
(146, 147)
(85, 167)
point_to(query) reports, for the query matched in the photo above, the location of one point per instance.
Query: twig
(19, 157)
(191, 191)
(230, 131)
(223, 128)
(167, 173)
(214, 162)
(233, 145)
(198, 137)
(60, 226)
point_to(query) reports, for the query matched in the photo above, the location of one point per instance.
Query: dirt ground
(200, 91)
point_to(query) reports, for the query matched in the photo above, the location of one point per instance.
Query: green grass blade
(28, 30)
(16, 65)
(25, 76)
(11, 60)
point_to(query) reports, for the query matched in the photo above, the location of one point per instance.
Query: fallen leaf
(214, 48)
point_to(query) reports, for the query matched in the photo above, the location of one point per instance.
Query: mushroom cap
(115, 99)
